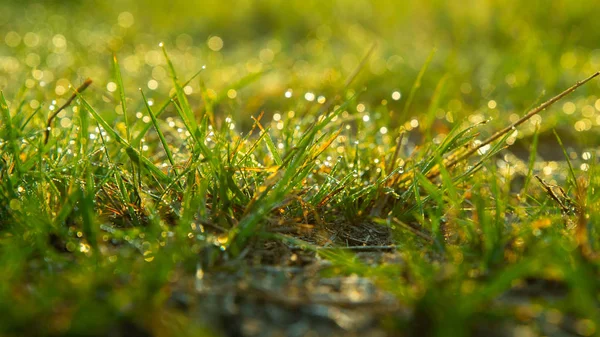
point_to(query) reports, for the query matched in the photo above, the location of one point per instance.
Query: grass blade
(417, 83)
(10, 132)
(161, 136)
(270, 145)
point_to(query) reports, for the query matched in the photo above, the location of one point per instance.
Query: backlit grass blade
(188, 114)
(428, 120)
(161, 136)
(86, 204)
(204, 150)
(133, 154)
(532, 158)
(270, 144)
(571, 170)
(28, 119)
(160, 110)
(10, 133)
(417, 83)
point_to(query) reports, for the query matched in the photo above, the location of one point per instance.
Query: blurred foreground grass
(135, 199)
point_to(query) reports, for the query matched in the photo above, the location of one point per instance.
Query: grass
(140, 181)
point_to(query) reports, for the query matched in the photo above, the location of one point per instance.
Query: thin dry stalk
(522, 120)
(406, 179)
(79, 90)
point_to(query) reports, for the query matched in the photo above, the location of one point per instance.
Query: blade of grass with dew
(327, 188)
(208, 103)
(133, 154)
(252, 148)
(454, 141)
(325, 144)
(456, 180)
(434, 214)
(160, 111)
(83, 134)
(571, 170)
(194, 198)
(76, 93)
(126, 199)
(28, 119)
(392, 161)
(270, 145)
(188, 114)
(10, 133)
(161, 136)
(86, 202)
(242, 140)
(272, 148)
(204, 150)
(448, 185)
(418, 201)
(494, 150)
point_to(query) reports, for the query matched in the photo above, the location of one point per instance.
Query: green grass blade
(417, 83)
(571, 170)
(87, 197)
(187, 114)
(10, 132)
(532, 158)
(160, 111)
(161, 136)
(272, 148)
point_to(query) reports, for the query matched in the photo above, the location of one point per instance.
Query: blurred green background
(506, 51)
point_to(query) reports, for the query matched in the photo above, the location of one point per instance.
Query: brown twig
(564, 208)
(362, 248)
(79, 90)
